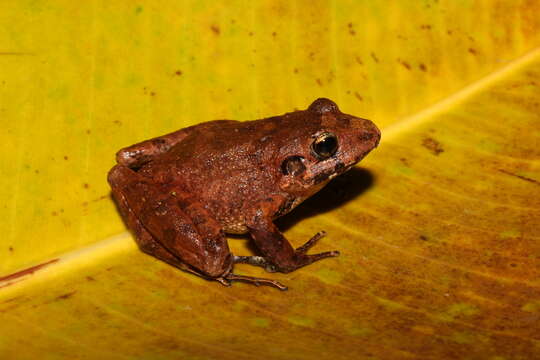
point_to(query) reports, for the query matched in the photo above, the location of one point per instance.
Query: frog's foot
(255, 261)
(302, 250)
(226, 280)
(302, 259)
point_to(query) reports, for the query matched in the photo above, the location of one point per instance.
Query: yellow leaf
(438, 228)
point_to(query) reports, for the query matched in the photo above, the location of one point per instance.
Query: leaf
(437, 228)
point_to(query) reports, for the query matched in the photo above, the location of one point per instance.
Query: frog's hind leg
(176, 221)
(146, 209)
(143, 238)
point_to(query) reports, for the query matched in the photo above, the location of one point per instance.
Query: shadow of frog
(338, 192)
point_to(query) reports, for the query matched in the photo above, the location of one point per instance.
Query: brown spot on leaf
(319, 82)
(215, 29)
(27, 271)
(66, 296)
(9, 284)
(432, 145)
(422, 67)
(351, 29)
(359, 60)
(10, 248)
(405, 64)
(374, 57)
(425, 27)
(12, 299)
(15, 53)
(178, 73)
(90, 278)
(274, 34)
(358, 96)
(295, 70)
(524, 178)
(66, 157)
(473, 51)
(86, 185)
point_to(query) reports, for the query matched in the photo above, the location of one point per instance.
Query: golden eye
(325, 145)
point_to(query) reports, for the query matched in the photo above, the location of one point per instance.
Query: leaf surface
(438, 227)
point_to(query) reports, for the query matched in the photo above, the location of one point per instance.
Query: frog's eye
(293, 165)
(325, 145)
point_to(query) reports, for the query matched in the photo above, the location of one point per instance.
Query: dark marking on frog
(285, 207)
(339, 167)
(366, 136)
(322, 177)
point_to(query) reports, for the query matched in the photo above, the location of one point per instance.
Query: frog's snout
(370, 135)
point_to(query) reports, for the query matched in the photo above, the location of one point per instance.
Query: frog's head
(327, 143)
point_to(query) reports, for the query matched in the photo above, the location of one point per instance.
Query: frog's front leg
(278, 254)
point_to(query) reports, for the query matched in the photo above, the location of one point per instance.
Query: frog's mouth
(328, 169)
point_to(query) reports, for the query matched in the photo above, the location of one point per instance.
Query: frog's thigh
(189, 233)
(143, 238)
(166, 231)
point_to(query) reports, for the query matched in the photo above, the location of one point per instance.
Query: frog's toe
(224, 281)
(304, 248)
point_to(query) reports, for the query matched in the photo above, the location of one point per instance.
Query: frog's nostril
(366, 136)
(293, 165)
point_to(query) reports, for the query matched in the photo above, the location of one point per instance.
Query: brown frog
(181, 192)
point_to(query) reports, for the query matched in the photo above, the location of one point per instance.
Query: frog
(181, 193)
